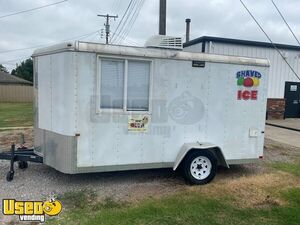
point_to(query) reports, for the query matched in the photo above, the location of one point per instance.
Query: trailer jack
(22, 155)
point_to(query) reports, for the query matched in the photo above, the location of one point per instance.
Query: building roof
(6, 78)
(240, 42)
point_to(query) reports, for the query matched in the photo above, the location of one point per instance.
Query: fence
(16, 93)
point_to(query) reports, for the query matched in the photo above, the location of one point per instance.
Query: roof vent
(162, 41)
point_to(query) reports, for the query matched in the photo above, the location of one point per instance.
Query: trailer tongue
(22, 155)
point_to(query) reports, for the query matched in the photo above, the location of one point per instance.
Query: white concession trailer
(109, 108)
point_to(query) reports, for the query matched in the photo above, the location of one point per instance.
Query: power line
(129, 17)
(125, 23)
(29, 10)
(125, 13)
(41, 45)
(285, 21)
(270, 40)
(133, 19)
(89, 38)
(21, 49)
(83, 36)
(130, 42)
(13, 60)
(125, 17)
(128, 21)
(25, 57)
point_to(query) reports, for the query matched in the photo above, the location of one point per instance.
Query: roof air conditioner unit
(162, 41)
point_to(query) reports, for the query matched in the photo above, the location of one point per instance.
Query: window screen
(138, 83)
(112, 84)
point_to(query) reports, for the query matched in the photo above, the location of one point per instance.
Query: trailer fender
(187, 147)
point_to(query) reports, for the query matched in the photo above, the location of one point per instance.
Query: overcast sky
(222, 18)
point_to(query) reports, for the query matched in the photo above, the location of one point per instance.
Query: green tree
(24, 70)
(3, 68)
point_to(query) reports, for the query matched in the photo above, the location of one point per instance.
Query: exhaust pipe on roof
(162, 17)
(188, 29)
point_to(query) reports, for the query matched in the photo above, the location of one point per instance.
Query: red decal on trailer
(239, 95)
(254, 95)
(246, 95)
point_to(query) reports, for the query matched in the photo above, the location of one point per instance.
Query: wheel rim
(200, 167)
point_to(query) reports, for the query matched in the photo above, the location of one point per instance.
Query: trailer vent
(162, 41)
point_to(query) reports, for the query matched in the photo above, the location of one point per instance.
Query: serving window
(124, 85)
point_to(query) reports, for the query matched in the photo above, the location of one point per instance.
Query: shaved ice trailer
(110, 108)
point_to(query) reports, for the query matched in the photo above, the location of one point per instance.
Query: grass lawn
(16, 114)
(293, 168)
(194, 206)
(184, 208)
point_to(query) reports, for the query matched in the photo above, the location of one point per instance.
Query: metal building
(284, 86)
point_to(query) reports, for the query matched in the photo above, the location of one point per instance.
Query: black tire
(22, 165)
(204, 167)
(10, 176)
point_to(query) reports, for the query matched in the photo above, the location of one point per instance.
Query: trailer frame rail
(22, 155)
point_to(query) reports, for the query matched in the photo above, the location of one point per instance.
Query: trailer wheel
(200, 167)
(22, 164)
(10, 176)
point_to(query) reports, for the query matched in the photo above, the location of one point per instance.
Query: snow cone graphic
(248, 81)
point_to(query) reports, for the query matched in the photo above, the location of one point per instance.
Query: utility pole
(107, 25)
(162, 16)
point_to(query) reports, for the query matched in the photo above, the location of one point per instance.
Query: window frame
(100, 110)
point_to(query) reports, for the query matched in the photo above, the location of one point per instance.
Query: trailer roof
(131, 51)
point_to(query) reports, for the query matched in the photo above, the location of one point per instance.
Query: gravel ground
(40, 181)
(7, 137)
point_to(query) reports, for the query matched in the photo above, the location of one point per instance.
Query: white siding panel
(45, 92)
(56, 93)
(279, 70)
